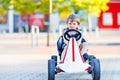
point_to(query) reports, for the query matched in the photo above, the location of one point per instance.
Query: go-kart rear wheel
(54, 57)
(96, 69)
(51, 69)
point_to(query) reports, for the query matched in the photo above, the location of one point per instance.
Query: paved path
(19, 61)
(30, 67)
(25, 63)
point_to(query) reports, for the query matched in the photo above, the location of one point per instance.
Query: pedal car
(72, 60)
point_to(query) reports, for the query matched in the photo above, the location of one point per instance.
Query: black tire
(51, 69)
(54, 57)
(96, 69)
(91, 58)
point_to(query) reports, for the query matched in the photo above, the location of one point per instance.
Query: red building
(111, 18)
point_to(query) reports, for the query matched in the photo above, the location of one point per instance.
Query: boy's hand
(79, 42)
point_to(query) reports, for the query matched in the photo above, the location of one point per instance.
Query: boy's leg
(83, 50)
(85, 56)
(63, 53)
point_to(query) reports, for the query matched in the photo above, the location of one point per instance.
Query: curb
(108, 44)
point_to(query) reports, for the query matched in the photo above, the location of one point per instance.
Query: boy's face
(72, 24)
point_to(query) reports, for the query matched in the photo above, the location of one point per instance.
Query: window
(118, 18)
(107, 18)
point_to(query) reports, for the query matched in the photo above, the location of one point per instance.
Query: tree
(64, 7)
(95, 7)
(3, 6)
(25, 6)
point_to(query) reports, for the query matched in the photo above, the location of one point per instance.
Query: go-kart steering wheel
(77, 34)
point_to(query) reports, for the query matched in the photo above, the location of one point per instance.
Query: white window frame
(118, 18)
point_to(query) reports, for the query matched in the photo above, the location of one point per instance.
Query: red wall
(114, 8)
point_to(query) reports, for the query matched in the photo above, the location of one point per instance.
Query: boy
(72, 22)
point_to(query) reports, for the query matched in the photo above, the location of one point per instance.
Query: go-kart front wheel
(96, 69)
(51, 69)
(91, 58)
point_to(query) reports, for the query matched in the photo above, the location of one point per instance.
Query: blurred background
(29, 30)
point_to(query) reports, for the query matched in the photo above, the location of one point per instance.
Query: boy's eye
(70, 23)
(74, 24)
